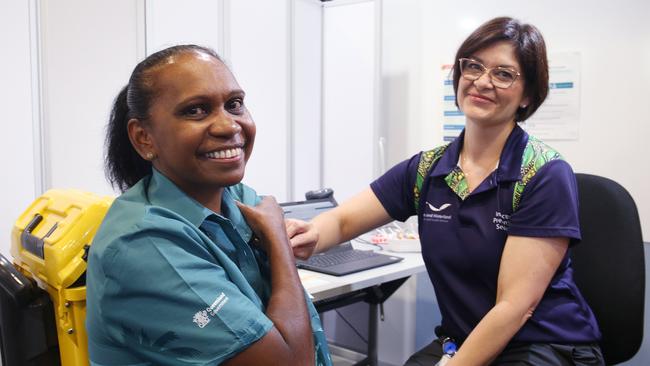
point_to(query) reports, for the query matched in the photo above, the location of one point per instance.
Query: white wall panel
(259, 54)
(89, 50)
(348, 97)
(170, 22)
(18, 184)
(401, 61)
(307, 96)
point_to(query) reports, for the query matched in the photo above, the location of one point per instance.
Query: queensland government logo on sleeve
(202, 317)
(436, 214)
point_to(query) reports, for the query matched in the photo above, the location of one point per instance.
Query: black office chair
(609, 264)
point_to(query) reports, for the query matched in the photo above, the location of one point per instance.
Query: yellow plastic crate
(49, 243)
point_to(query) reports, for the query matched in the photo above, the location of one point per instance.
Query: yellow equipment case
(49, 243)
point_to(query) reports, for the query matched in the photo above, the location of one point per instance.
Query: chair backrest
(609, 264)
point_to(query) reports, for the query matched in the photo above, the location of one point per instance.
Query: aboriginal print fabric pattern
(427, 159)
(457, 182)
(536, 154)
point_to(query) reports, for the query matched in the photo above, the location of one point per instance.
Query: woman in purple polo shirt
(497, 212)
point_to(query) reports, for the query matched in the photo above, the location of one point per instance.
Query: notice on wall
(558, 118)
(453, 120)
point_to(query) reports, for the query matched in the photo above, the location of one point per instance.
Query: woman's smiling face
(198, 127)
(480, 100)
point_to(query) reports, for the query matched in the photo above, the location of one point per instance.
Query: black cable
(362, 240)
(365, 241)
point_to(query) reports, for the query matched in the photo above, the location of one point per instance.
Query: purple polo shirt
(463, 236)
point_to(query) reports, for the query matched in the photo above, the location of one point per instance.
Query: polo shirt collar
(510, 160)
(509, 168)
(449, 159)
(164, 193)
(230, 210)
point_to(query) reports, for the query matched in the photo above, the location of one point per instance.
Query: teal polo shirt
(169, 282)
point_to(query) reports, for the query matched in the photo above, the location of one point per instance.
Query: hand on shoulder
(266, 220)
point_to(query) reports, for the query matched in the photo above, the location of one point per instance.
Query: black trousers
(534, 354)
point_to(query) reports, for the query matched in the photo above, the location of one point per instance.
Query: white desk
(322, 286)
(373, 286)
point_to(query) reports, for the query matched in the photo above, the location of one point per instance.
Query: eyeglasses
(501, 77)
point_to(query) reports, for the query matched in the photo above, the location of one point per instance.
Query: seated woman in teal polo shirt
(190, 266)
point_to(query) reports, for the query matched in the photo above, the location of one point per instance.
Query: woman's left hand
(267, 222)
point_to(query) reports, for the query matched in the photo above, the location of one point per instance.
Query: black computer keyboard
(333, 259)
